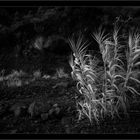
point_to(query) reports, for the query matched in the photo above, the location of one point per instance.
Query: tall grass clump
(111, 50)
(133, 61)
(105, 89)
(85, 70)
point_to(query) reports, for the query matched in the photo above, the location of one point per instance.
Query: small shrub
(60, 74)
(15, 79)
(38, 43)
(15, 73)
(14, 82)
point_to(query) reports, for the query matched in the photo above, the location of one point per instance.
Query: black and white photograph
(69, 69)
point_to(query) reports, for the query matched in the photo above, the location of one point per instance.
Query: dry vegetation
(107, 95)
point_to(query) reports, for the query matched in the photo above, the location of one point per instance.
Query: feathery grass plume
(84, 70)
(110, 50)
(101, 39)
(132, 55)
(116, 71)
(106, 95)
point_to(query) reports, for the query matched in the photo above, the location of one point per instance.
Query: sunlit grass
(132, 55)
(110, 48)
(85, 71)
(60, 73)
(107, 95)
(13, 79)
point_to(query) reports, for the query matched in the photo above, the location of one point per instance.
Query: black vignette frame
(34, 44)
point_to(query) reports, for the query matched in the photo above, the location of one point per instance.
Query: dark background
(21, 25)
